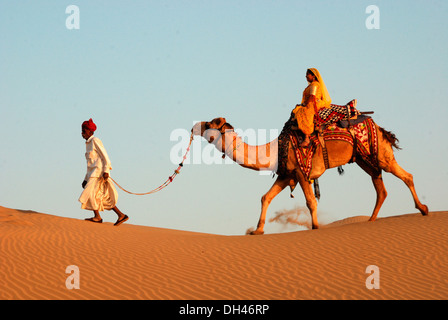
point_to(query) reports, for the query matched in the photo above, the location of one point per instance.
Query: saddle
(352, 122)
(334, 123)
(345, 117)
(336, 113)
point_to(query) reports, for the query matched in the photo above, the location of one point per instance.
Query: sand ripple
(135, 262)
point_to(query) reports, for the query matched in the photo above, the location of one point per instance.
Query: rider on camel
(314, 98)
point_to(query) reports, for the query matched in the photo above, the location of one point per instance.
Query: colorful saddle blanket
(366, 144)
(335, 113)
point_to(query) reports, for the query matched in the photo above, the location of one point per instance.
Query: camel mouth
(198, 129)
(203, 129)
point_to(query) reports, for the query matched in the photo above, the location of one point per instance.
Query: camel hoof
(256, 232)
(424, 210)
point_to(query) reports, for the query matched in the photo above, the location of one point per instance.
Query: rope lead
(167, 182)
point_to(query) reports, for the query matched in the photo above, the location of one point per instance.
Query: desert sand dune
(137, 262)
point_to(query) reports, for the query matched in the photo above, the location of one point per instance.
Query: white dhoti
(99, 194)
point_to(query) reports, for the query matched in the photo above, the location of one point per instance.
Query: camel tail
(390, 137)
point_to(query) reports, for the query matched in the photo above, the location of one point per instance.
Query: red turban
(89, 125)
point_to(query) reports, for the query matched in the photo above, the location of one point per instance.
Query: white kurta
(98, 194)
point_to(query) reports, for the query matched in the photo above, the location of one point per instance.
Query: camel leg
(381, 194)
(378, 183)
(311, 201)
(279, 185)
(408, 179)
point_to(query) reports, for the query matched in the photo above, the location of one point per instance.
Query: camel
(265, 157)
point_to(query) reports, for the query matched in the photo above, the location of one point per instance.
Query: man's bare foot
(94, 220)
(121, 220)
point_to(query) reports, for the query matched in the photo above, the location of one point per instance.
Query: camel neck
(262, 157)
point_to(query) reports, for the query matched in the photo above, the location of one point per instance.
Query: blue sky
(142, 69)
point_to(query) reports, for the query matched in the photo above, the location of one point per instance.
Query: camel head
(211, 130)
